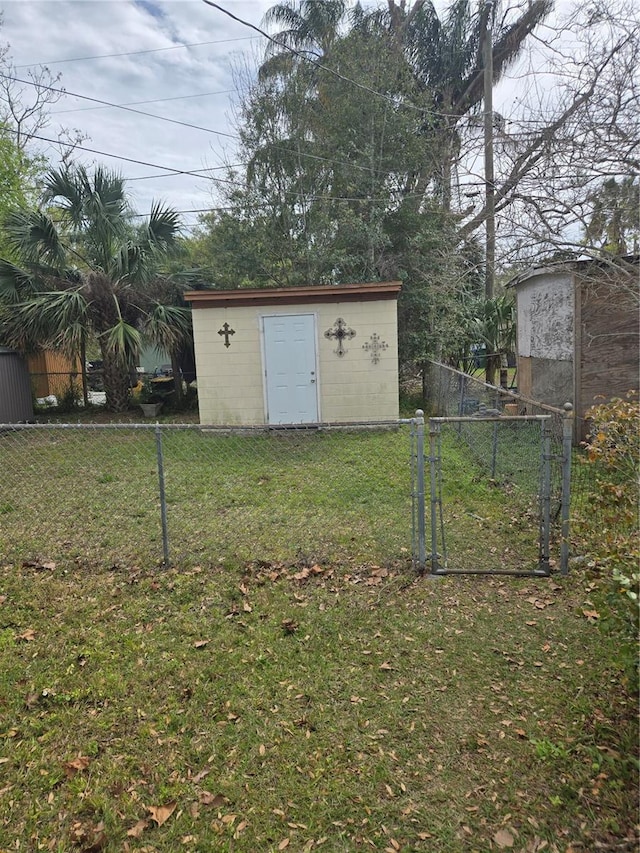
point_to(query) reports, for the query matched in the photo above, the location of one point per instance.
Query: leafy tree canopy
(84, 268)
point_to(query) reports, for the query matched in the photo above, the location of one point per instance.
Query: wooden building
(296, 355)
(54, 374)
(578, 333)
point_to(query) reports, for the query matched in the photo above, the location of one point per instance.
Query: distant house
(54, 374)
(296, 355)
(578, 333)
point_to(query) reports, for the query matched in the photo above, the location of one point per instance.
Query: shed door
(290, 369)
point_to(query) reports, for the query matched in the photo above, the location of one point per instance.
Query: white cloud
(59, 30)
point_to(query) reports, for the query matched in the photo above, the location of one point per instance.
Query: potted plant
(149, 400)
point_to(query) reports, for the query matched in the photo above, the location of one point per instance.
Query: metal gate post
(567, 445)
(494, 439)
(434, 430)
(420, 491)
(163, 502)
(545, 496)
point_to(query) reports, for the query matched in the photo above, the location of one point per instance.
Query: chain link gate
(485, 503)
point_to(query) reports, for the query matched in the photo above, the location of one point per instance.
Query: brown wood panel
(609, 340)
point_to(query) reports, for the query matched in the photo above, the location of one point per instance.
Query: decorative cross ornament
(375, 346)
(339, 332)
(226, 331)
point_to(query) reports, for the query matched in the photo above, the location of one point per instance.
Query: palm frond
(123, 340)
(162, 227)
(34, 236)
(169, 326)
(48, 319)
(16, 284)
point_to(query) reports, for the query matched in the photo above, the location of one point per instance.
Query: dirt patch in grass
(307, 707)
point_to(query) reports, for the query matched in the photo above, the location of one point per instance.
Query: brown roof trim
(293, 295)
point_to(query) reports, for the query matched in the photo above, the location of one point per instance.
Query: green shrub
(609, 523)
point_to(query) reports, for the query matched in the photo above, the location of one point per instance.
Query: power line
(136, 52)
(198, 173)
(117, 106)
(194, 172)
(182, 123)
(134, 103)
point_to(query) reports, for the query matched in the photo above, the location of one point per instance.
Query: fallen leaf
(27, 636)
(503, 838)
(98, 843)
(161, 814)
(591, 615)
(75, 766)
(199, 644)
(283, 844)
(385, 665)
(241, 827)
(39, 565)
(380, 573)
(137, 830)
(199, 776)
(209, 799)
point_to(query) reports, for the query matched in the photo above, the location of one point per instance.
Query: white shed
(297, 355)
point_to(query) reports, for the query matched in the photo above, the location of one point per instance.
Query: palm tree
(446, 60)
(86, 270)
(309, 27)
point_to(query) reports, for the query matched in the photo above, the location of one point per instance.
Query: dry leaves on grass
(39, 565)
(503, 839)
(161, 814)
(27, 636)
(76, 766)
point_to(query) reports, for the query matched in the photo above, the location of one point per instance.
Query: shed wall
(16, 405)
(545, 317)
(608, 341)
(351, 388)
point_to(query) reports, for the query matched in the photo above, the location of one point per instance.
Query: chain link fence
(128, 495)
(456, 394)
(520, 446)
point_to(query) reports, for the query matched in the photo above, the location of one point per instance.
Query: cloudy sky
(175, 59)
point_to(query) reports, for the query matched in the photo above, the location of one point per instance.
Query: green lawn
(290, 683)
(272, 708)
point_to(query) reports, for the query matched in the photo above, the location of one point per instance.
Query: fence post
(434, 430)
(545, 497)
(494, 438)
(163, 502)
(420, 491)
(567, 445)
(461, 403)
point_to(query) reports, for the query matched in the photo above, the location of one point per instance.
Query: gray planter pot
(150, 410)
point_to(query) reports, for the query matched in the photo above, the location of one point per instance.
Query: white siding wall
(231, 386)
(545, 316)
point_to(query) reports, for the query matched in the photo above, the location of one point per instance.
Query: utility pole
(489, 186)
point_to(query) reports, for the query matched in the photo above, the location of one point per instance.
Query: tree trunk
(493, 362)
(177, 380)
(116, 382)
